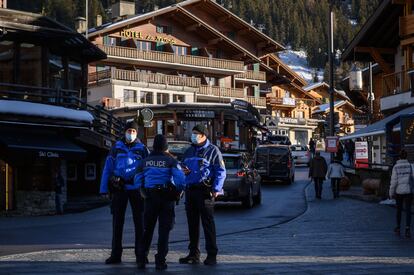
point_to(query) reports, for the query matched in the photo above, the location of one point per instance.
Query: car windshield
(178, 148)
(298, 148)
(232, 162)
(277, 138)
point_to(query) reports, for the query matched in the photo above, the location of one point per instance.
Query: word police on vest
(153, 163)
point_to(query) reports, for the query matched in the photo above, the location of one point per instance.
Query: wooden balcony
(406, 25)
(170, 60)
(252, 76)
(221, 91)
(398, 82)
(286, 102)
(133, 76)
(257, 101)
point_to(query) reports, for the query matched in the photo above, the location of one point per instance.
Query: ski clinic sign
(361, 154)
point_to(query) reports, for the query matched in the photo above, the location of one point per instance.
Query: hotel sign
(149, 37)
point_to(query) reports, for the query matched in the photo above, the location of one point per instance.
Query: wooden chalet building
(45, 123)
(195, 53)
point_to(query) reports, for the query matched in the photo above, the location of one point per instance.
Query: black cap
(131, 125)
(201, 129)
(160, 144)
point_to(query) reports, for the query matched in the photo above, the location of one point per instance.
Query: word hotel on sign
(149, 37)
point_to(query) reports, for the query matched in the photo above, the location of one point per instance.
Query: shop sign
(149, 37)
(240, 105)
(288, 120)
(48, 154)
(332, 144)
(361, 154)
(199, 114)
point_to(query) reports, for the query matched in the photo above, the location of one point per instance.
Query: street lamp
(331, 75)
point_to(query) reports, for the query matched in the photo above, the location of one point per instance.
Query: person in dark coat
(317, 171)
(312, 147)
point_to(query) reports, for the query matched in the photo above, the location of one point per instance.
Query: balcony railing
(172, 58)
(221, 91)
(256, 101)
(396, 83)
(252, 75)
(145, 77)
(104, 123)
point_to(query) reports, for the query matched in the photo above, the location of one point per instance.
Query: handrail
(253, 75)
(167, 57)
(221, 91)
(104, 122)
(396, 83)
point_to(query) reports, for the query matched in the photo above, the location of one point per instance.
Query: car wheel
(258, 198)
(247, 202)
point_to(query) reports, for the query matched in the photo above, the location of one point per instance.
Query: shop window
(163, 98)
(164, 29)
(6, 62)
(130, 95)
(147, 97)
(170, 127)
(178, 98)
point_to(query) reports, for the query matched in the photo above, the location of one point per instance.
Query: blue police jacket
(205, 163)
(159, 169)
(123, 161)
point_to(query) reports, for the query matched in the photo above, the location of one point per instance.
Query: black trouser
(198, 206)
(406, 200)
(318, 186)
(335, 186)
(119, 204)
(157, 207)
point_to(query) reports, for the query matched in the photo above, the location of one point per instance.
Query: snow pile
(296, 60)
(43, 110)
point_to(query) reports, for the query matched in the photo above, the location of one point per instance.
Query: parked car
(301, 154)
(178, 148)
(242, 182)
(279, 139)
(275, 163)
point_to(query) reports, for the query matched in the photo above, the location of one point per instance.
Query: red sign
(361, 154)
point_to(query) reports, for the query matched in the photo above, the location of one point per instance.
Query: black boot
(190, 259)
(141, 262)
(113, 260)
(160, 264)
(210, 260)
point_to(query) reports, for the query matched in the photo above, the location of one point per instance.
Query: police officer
(205, 175)
(118, 179)
(162, 180)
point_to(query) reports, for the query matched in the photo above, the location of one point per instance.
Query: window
(178, 98)
(164, 29)
(30, 69)
(55, 71)
(195, 51)
(211, 81)
(300, 114)
(163, 98)
(143, 45)
(147, 98)
(180, 50)
(130, 95)
(109, 41)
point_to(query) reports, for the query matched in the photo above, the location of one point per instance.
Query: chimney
(80, 24)
(122, 8)
(98, 20)
(3, 4)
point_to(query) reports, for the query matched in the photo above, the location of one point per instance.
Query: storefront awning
(378, 128)
(20, 146)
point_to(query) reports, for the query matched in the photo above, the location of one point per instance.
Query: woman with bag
(335, 174)
(401, 189)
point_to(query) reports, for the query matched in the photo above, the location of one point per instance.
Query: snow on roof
(43, 110)
(325, 107)
(319, 84)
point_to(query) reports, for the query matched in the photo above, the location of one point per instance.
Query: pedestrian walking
(312, 147)
(118, 180)
(401, 188)
(161, 180)
(205, 175)
(317, 171)
(335, 173)
(58, 183)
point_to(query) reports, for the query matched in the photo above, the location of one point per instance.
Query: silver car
(301, 154)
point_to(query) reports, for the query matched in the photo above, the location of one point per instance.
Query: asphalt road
(92, 229)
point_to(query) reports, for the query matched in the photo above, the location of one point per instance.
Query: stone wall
(35, 202)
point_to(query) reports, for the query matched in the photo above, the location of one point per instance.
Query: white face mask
(196, 138)
(130, 137)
